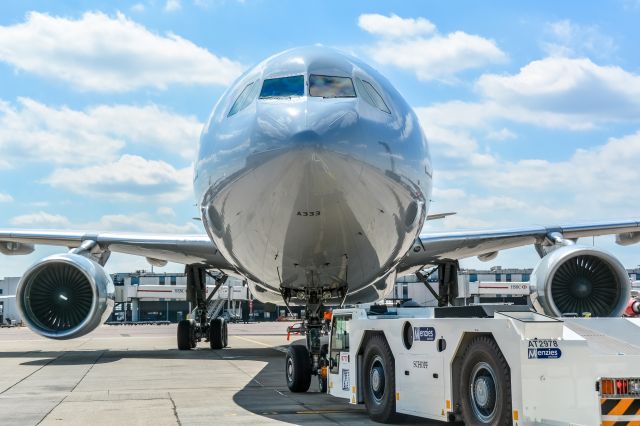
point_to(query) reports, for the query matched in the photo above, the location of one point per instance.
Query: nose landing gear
(302, 362)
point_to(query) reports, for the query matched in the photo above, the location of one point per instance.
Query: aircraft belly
(314, 218)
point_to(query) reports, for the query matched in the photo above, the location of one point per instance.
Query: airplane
(313, 180)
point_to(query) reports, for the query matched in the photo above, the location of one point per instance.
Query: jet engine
(65, 296)
(576, 280)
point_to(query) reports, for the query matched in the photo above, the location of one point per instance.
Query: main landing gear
(190, 333)
(204, 323)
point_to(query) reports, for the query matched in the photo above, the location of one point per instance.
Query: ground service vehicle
(493, 364)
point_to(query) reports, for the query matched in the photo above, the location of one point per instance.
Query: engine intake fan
(575, 280)
(65, 296)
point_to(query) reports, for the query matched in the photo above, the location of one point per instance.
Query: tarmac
(134, 375)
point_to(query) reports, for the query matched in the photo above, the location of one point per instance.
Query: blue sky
(532, 109)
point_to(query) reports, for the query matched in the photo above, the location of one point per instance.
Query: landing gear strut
(303, 362)
(447, 282)
(201, 325)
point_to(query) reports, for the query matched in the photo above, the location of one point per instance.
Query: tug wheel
(379, 380)
(298, 368)
(186, 335)
(485, 384)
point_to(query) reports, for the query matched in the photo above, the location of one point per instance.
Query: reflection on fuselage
(314, 193)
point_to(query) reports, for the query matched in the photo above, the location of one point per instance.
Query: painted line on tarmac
(275, 348)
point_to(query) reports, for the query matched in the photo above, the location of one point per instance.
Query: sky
(531, 109)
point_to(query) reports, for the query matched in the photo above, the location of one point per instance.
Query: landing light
(63, 297)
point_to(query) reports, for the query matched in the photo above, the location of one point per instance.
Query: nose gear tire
(298, 368)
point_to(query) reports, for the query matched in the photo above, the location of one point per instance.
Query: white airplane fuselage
(309, 182)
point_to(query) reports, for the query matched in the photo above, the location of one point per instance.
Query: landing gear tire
(216, 333)
(298, 368)
(379, 380)
(186, 335)
(225, 334)
(485, 384)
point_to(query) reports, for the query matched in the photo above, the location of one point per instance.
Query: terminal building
(8, 310)
(161, 297)
(409, 288)
(144, 297)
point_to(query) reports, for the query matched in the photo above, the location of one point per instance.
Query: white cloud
(166, 211)
(141, 222)
(37, 132)
(149, 125)
(483, 114)
(567, 86)
(448, 193)
(596, 183)
(434, 57)
(609, 171)
(592, 184)
(455, 144)
(40, 219)
(138, 7)
(172, 5)
(5, 198)
(101, 53)
(574, 94)
(138, 222)
(129, 178)
(395, 26)
(501, 135)
(566, 38)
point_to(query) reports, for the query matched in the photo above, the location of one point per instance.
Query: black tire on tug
(485, 384)
(298, 368)
(379, 380)
(216, 333)
(185, 335)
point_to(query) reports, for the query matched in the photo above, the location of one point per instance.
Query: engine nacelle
(9, 248)
(65, 296)
(579, 280)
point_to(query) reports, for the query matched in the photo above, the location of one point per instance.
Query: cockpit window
(331, 87)
(247, 95)
(371, 95)
(283, 87)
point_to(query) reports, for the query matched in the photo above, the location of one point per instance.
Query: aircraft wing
(435, 247)
(186, 249)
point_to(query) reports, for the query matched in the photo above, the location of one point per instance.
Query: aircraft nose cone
(290, 123)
